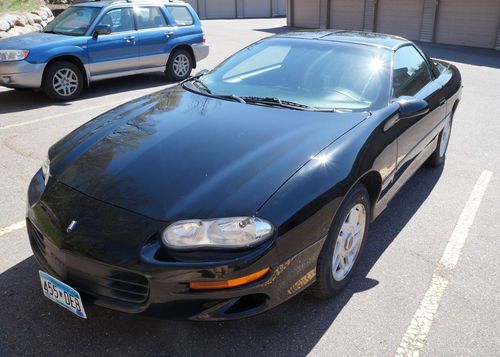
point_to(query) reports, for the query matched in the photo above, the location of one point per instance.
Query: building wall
(464, 22)
(230, 9)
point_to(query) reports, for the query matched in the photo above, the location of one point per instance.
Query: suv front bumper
(21, 74)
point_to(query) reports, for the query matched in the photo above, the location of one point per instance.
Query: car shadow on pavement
(32, 324)
(14, 101)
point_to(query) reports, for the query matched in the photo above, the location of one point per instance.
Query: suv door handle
(168, 33)
(442, 101)
(129, 38)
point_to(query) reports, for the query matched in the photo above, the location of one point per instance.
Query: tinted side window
(181, 15)
(120, 20)
(149, 18)
(411, 72)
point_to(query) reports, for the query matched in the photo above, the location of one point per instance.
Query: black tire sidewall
(49, 75)
(328, 285)
(170, 67)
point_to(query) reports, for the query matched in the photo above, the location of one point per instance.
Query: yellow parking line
(61, 115)
(12, 227)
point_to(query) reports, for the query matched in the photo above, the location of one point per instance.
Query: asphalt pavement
(452, 211)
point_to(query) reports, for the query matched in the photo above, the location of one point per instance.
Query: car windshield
(73, 21)
(309, 73)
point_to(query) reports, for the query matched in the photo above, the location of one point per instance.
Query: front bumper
(21, 74)
(106, 274)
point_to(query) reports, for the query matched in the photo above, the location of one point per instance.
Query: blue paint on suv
(98, 40)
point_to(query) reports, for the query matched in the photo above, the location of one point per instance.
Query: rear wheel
(344, 245)
(439, 155)
(63, 81)
(179, 66)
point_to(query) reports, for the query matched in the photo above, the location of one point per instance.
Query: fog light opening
(225, 284)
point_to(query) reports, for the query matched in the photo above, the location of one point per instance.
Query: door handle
(129, 39)
(442, 101)
(168, 33)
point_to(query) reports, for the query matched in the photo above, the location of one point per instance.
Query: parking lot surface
(394, 304)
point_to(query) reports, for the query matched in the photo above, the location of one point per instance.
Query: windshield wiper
(194, 83)
(283, 103)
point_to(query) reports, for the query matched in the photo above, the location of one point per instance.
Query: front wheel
(63, 81)
(438, 157)
(344, 244)
(179, 66)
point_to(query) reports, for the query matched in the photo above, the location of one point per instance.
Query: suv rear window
(181, 15)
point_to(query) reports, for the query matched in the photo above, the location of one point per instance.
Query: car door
(413, 77)
(154, 36)
(118, 51)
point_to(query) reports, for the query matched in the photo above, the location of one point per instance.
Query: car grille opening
(90, 277)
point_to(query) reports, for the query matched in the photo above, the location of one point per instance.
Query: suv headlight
(13, 55)
(235, 232)
(46, 170)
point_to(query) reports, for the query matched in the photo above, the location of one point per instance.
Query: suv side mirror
(102, 30)
(410, 107)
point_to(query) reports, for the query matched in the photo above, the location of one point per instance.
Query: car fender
(309, 200)
(69, 51)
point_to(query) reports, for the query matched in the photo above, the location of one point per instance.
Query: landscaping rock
(13, 25)
(4, 25)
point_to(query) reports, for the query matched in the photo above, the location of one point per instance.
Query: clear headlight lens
(13, 55)
(234, 232)
(46, 170)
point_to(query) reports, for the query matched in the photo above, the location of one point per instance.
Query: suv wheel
(63, 81)
(179, 66)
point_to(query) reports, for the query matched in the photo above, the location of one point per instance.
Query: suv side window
(149, 18)
(120, 20)
(411, 72)
(181, 15)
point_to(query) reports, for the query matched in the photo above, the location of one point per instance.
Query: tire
(329, 282)
(179, 65)
(438, 157)
(63, 81)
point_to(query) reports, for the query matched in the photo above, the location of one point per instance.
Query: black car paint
(292, 168)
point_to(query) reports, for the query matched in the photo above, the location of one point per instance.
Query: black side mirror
(410, 107)
(102, 30)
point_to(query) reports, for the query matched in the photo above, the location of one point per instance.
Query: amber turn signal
(224, 284)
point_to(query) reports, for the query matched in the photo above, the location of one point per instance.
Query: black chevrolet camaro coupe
(229, 193)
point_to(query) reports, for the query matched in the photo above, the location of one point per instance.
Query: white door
(257, 8)
(400, 17)
(220, 9)
(306, 13)
(347, 14)
(468, 23)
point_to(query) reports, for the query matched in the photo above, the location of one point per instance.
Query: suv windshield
(317, 74)
(73, 21)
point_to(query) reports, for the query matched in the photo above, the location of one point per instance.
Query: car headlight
(234, 232)
(13, 55)
(46, 170)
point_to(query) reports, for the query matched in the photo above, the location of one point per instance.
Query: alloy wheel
(445, 137)
(65, 82)
(181, 65)
(349, 242)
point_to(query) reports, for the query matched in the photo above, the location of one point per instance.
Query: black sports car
(229, 193)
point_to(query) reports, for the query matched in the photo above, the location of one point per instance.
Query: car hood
(177, 155)
(32, 40)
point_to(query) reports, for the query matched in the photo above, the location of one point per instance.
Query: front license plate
(62, 294)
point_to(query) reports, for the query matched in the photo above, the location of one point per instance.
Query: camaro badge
(71, 227)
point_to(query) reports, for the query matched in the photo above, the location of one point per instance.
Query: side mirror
(410, 107)
(102, 30)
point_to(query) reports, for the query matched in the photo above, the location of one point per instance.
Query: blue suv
(104, 39)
